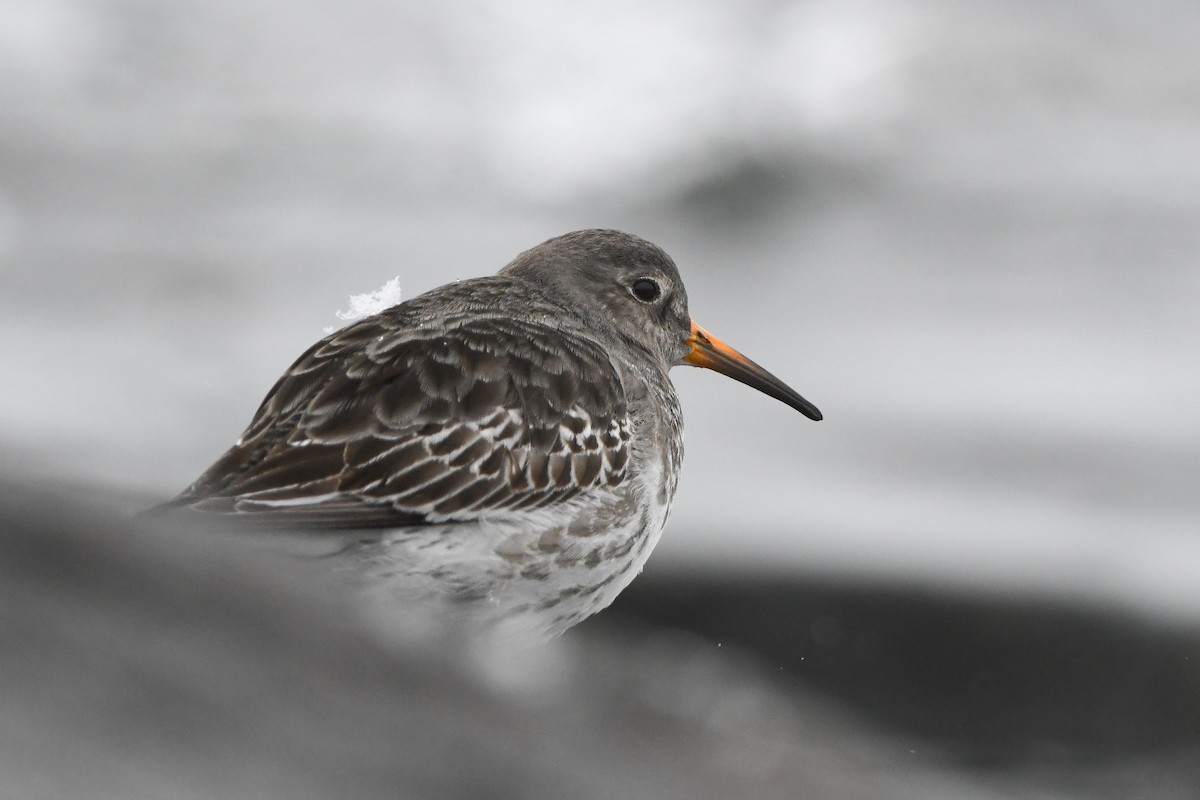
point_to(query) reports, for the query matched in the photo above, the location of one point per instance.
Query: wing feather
(411, 417)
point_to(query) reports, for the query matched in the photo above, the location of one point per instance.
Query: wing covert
(390, 422)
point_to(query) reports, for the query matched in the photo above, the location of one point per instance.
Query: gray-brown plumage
(517, 435)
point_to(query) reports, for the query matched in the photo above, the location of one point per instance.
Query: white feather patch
(368, 303)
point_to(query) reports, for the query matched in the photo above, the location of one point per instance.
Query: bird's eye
(646, 290)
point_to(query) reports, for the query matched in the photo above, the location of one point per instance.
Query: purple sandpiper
(509, 443)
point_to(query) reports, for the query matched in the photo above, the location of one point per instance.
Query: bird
(507, 447)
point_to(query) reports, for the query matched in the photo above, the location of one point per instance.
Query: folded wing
(390, 422)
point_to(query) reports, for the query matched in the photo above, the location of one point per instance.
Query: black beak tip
(808, 409)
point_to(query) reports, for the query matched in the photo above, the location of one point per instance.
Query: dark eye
(646, 290)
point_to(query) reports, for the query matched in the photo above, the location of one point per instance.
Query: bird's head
(619, 282)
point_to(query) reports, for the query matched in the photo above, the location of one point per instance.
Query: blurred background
(967, 231)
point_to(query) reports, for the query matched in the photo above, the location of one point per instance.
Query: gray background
(966, 231)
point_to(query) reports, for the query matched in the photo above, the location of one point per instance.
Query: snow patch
(364, 305)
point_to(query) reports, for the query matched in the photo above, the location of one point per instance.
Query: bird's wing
(386, 423)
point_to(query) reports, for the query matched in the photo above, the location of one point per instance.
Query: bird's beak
(711, 353)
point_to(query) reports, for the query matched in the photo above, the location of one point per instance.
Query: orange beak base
(709, 352)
